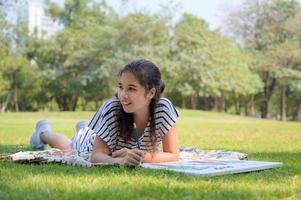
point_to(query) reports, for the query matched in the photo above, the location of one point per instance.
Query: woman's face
(132, 95)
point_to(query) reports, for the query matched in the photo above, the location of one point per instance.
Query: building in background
(32, 13)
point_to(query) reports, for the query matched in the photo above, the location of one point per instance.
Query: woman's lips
(125, 104)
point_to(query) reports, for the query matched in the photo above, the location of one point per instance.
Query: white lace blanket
(83, 159)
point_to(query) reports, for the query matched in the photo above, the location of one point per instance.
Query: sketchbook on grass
(212, 167)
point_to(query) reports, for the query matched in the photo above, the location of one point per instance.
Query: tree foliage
(272, 28)
(252, 73)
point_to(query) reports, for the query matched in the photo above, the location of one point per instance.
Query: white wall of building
(31, 12)
(38, 22)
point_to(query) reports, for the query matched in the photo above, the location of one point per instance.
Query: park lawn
(263, 140)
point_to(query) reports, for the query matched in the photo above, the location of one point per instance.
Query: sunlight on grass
(264, 140)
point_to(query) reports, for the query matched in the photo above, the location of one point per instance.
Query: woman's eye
(132, 89)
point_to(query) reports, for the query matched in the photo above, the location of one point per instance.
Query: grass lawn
(263, 140)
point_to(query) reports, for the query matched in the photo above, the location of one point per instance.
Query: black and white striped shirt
(104, 124)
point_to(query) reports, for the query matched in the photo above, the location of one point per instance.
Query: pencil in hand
(136, 136)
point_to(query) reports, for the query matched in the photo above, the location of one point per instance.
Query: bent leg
(60, 141)
(56, 140)
(43, 135)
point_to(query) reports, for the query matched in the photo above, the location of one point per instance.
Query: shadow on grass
(291, 165)
(10, 148)
(148, 183)
(141, 190)
(133, 184)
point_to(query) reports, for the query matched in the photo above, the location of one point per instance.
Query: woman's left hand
(125, 152)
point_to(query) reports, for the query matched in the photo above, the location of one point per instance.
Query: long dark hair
(149, 77)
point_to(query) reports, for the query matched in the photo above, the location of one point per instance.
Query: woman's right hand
(128, 156)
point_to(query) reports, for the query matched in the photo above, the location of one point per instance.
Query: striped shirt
(104, 125)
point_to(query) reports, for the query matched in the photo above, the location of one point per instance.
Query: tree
(265, 26)
(72, 62)
(210, 66)
(15, 68)
(145, 36)
(3, 54)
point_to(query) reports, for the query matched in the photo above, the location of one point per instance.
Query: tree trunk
(65, 104)
(4, 106)
(246, 107)
(16, 99)
(268, 92)
(252, 107)
(299, 111)
(240, 108)
(74, 102)
(215, 107)
(219, 104)
(15, 91)
(96, 104)
(84, 104)
(183, 103)
(62, 103)
(236, 107)
(206, 103)
(194, 101)
(283, 102)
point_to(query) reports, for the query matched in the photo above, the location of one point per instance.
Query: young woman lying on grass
(110, 134)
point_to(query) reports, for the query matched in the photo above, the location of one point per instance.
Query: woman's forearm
(160, 157)
(104, 158)
(149, 157)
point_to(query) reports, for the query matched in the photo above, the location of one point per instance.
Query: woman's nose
(123, 94)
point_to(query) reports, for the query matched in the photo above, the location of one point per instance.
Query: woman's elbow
(96, 157)
(177, 156)
(93, 158)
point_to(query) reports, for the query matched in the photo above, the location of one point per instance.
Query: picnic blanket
(83, 159)
(193, 161)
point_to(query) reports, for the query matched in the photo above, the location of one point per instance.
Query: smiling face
(132, 95)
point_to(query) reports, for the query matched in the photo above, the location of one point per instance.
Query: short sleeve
(104, 122)
(166, 116)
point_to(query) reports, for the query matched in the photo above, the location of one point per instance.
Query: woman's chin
(127, 110)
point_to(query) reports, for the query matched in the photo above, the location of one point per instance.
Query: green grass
(264, 140)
